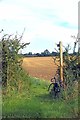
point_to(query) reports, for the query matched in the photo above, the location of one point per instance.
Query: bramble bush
(11, 61)
(71, 72)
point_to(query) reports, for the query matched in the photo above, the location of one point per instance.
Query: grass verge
(36, 102)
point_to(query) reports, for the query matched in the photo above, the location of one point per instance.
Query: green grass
(37, 103)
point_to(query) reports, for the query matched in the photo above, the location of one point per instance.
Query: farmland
(28, 96)
(33, 100)
(40, 67)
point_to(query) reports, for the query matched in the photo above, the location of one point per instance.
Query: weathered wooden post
(61, 61)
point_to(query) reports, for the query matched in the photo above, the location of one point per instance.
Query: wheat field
(40, 67)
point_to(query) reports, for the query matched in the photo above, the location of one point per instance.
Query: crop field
(40, 67)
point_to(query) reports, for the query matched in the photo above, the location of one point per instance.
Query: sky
(46, 22)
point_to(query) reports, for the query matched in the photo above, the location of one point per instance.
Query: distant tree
(54, 53)
(46, 52)
(38, 54)
(30, 53)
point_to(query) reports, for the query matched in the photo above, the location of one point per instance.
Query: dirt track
(40, 67)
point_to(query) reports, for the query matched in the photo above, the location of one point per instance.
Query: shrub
(11, 60)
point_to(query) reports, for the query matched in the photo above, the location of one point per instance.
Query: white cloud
(43, 18)
(50, 33)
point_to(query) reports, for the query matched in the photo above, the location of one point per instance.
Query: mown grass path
(37, 103)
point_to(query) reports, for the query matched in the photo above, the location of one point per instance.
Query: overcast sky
(46, 22)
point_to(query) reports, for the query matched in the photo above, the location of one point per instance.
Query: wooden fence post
(61, 61)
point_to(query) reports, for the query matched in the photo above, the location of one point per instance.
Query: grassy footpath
(37, 103)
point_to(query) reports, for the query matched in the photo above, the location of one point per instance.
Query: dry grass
(40, 67)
